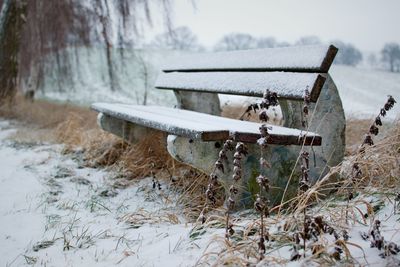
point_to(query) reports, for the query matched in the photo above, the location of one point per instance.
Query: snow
(48, 197)
(176, 121)
(286, 85)
(55, 212)
(364, 91)
(284, 58)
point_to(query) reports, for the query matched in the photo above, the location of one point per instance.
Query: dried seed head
(345, 235)
(263, 142)
(305, 156)
(259, 205)
(350, 196)
(304, 185)
(273, 100)
(231, 203)
(255, 107)
(356, 171)
(237, 170)
(237, 155)
(233, 190)
(263, 182)
(264, 104)
(305, 109)
(219, 165)
(241, 148)
(222, 155)
(213, 177)
(390, 103)
(383, 112)
(262, 116)
(304, 173)
(202, 218)
(391, 100)
(261, 245)
(368, 140)
(307, 96)
(236, 177)
(267, 94)
(229, 145)
(237, 162)
(209, 193)
(230, 230)
(210, 187)
(264, 130)
(374, 130)
(378, 121)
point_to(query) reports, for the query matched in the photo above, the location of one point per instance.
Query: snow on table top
(189, 123)
(286, 84)
(317, 58)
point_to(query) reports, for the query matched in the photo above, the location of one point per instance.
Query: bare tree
(181, 38)
(309, 40)
(52, 26)
(236, 41)
(145, 72)
(348, 54)
(12, 17)
(391, 56)
(266, 42)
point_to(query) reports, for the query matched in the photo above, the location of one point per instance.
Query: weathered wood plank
(203, 126)
(314, 58)
(287, 85)
(159, 121)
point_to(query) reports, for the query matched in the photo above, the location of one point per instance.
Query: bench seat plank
(313, 58)
(287, 85)
(203, 126)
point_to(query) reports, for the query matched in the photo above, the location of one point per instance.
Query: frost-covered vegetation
(95, 200)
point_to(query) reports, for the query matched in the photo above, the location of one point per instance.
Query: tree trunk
(12, 17)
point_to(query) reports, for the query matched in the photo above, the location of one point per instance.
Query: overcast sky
(368, 24)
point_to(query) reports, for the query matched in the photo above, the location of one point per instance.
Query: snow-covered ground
(364, 91)
(57, 212)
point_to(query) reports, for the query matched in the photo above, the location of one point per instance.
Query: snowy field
(364, 91)
(56, 212)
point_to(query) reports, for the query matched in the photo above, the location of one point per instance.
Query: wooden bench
(195, 131)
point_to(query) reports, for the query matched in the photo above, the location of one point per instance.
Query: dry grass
(76, 128)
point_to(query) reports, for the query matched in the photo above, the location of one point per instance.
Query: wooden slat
(287, 85)
(292, 59)
(203, 126)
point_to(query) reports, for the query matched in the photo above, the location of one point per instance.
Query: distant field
(364, 91)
